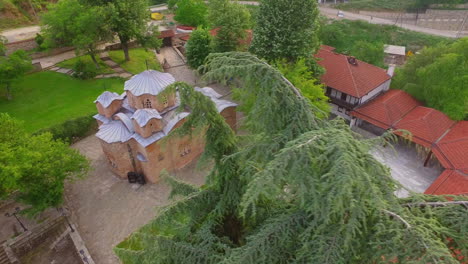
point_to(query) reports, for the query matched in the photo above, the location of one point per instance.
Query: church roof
(149, 82)
(208, 91)
(113, 132)
(143, 116)
(220, 104)
(106, 98)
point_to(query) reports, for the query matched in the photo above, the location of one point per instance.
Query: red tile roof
(167, 34)
(452, 149)
(452, 182)
(355, 80)
(426, 125)
(386, 109)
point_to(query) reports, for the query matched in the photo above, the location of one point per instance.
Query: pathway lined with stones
(62, 70)
(118, 71)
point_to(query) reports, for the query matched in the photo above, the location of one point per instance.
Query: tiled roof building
(445, 138)
(349, 81)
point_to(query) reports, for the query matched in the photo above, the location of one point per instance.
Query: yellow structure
(157, 16)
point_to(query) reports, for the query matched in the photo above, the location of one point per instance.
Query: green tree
(35, 166)
(128, 19)
(70, 23)
(231, 20)
(295, 190)
(198, 47)
(191, 12)
(150, 39)
(12, 67)
(286, 30)
(299, 75)
(372, 53)
(438, 76)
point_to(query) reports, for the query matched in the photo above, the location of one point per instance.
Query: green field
(48, 98)
(138, 59)
(87, 59)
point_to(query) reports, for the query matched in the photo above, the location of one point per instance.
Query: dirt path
(108, 209)
(23, 33)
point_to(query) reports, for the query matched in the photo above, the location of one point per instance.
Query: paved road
(29, 32)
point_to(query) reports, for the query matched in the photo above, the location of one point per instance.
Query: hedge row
(72, 130)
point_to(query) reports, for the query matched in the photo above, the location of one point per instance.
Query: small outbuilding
(395, 55)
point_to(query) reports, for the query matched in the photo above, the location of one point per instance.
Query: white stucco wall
(382, 88)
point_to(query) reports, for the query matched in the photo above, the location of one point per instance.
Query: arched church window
(148, 103)
(164, 101)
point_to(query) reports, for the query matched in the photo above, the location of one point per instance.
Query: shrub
(84, 70)
(72, 130)
(198, 47)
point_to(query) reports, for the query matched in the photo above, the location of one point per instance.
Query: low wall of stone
(27, 44)
(453, 20)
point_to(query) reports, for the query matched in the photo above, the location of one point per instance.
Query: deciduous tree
(191, 12)
(299, 75)
(12, 67)
(71, 23)
(35, 166)
(286, 30)
(438, 76)
(128, 19)
(198, 47)
(231, 20)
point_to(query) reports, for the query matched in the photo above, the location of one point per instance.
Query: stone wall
(27, 44)
(432, 18)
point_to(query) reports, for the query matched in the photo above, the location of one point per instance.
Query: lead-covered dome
(149, 82)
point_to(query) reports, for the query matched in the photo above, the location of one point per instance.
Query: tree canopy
(438, 76)
(231, 20)
(286, 30)
(300, 76)
(191, 12)
(12, 67)
(71, 23)
(198, 47)
(35, 166)
(296, 189)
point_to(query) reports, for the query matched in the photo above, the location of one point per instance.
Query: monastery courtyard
(107, 209)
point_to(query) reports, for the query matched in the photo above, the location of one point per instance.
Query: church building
(135, 128)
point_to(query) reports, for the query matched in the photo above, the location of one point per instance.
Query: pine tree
(286, 30)
(295, 190)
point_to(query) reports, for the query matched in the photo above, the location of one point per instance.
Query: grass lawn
(137, 62)
(87, 59)
(48, 98)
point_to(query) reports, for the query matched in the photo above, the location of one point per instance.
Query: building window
(147, 103)
(160, 157)
(164, 101)
(333, 93)
(343, 96)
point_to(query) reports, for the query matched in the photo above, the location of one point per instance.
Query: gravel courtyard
(108, 209)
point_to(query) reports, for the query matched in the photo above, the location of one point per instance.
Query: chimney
(391, 70)
(352, 61)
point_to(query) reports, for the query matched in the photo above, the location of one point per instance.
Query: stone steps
(3, 256)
